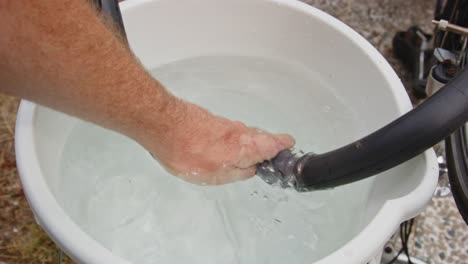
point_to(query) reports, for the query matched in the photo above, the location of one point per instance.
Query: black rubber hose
(399, 141)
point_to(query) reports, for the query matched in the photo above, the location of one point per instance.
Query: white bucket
(163, 31)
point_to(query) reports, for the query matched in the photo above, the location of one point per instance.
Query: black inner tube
(397, 142)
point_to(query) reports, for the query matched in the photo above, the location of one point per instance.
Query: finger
(287, 141)
(260, 147)
(234, 174)
(239, 174)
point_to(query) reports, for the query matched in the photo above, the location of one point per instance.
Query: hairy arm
(60, 54)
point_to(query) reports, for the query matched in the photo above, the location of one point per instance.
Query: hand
(206, 149)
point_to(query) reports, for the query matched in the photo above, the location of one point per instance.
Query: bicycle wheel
(457, 163)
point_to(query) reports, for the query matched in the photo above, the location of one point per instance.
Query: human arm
(58, 53)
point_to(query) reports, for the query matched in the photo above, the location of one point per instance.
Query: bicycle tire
(457, 163)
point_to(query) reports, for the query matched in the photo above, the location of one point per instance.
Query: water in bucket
(115, 191)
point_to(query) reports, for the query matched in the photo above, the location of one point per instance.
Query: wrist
(158, 114)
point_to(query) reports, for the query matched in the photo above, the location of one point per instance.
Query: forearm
(59, 54)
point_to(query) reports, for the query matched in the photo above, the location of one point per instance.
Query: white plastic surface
(163, 31)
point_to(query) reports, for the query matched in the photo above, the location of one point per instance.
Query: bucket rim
(83, 248)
